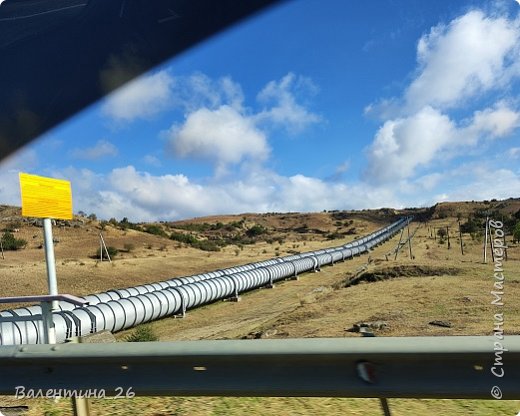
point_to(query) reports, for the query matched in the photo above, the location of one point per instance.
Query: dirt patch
(401, 271)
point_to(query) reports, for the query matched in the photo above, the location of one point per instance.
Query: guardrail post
(80, 405)
(385, 407)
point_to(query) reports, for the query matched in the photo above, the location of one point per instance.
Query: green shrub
(194, 227)
(184, 238)
(207, 245)
(236, 224)
(333, 236)
(124, 225)
(112, 252)
(256, 230)
(143, 333)
(155, 230)
(473, 225)
(9, 242)
(516, 232)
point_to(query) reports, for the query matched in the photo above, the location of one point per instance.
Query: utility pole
(409, 239)
(505, 238)
(491, 244)
(399, 244)
(486, 241)
(103, 245)
(460, 238)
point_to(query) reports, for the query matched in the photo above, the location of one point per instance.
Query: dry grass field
(401, 297)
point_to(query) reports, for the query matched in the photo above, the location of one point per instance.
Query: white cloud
(10, 188)
(100, 150)
(219, 128)
(223, 136)
(232, 92)
(496, 122)
(475, 180)
(166, 196)
(141, 98)
(458, 64)
(471, 55)
(152, 161)
(153, 94)
(401, 145)
(339, 172)
(483, 182)
(141, 196)
(514, 153)
(25, 160)
(200, 91)
(285, 110)
(423, 185)
(430, 181)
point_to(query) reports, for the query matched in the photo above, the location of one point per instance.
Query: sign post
(47, 198)
(49, 259)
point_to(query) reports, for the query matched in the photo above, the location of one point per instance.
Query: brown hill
(494, 207)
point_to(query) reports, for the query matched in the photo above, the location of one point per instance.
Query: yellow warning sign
(45, 197)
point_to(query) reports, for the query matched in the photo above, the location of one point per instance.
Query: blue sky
(309, 106)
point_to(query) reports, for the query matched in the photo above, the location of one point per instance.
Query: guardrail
(405, 367)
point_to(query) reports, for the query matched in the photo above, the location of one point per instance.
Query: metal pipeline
(120, 309)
